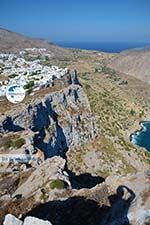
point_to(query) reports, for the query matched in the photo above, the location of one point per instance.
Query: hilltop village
(29, 73)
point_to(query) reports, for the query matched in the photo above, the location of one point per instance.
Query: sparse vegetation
(141, 114)
(112, 107)
(12, 142)
(132, 112)
(58, 184)
(18, 143)
(123, 82)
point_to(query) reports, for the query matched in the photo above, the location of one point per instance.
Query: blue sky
(78, 20)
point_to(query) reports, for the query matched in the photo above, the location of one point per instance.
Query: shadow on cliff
(57, 143)
(85, 180)
(56, 146)
(82, 211)
(8, 125)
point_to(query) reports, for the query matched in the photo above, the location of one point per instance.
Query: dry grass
(112, 104)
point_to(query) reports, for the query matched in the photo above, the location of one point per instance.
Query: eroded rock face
(57, 120)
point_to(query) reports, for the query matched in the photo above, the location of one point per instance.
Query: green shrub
(96, 70)
(141, 113)
(29, 85)
(58, 184)
(87, 86)
(132, 112)
(18, 143)
(123, 82)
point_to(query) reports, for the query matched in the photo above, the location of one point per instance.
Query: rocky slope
(117, 115)
(92, 172)
(117, 201)
(55, 166)
(53, 122)
(52, 195)
(11, 42)
(134, 62)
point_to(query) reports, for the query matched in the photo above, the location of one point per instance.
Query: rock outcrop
(50, 170)
(35, 221)
(61, 206)
(12, 220)
(85, 206)
(117, 201)
(54, 121)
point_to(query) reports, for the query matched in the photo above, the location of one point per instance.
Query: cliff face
(54, 122)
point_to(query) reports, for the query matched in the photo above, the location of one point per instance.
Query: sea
(142, 137)
(111, 47)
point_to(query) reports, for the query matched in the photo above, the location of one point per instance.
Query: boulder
(35, 221)
(12, 220)
(50, 169)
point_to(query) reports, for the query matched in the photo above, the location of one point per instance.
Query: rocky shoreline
(138, 133)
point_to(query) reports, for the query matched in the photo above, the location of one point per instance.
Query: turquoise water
(142, 137)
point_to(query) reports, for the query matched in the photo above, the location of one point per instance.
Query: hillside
(77, 128)
(134, 62)
(11, 42)
(117, 113)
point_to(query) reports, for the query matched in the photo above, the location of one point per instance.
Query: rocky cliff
(53, 122)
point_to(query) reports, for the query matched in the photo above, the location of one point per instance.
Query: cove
(142, 137)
